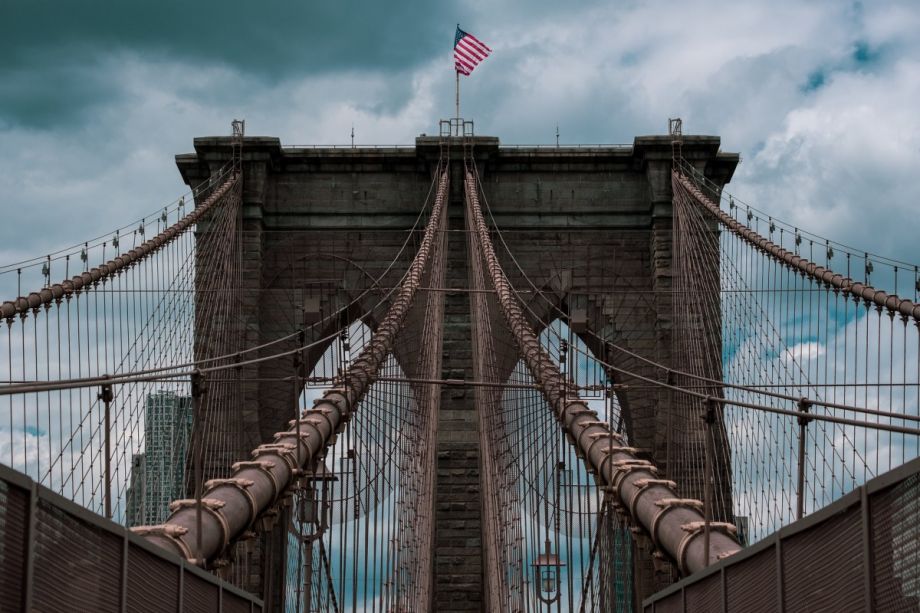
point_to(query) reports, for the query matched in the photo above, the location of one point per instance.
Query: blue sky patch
(34, 431)
(864, 54)
(815, 81)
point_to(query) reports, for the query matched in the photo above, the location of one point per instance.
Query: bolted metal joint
(170, 530)
(661, 562)
(804, 406)
(170, 533)
(701, 529)
(106, 394)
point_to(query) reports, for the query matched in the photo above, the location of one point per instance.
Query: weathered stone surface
(458, 556)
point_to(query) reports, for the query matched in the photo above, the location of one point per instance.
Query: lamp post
(311, 525)
(546, 569)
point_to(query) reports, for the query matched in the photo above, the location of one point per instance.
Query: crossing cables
(677, 527)
(230, 507)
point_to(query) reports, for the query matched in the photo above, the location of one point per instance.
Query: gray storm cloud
(96, 97)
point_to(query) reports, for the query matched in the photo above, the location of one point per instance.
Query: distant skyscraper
(743, 523)
(157, 474)
(135, 495)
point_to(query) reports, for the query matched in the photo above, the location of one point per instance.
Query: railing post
(865, 513)
(340, 378)
(669, 470)
(106, 396)
(123, 591)
(296, 391)
(709, 418)
(803, 419)
(563, 359)
(197, 393)
(28, 571)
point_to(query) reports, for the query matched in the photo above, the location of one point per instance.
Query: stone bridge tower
(319, 223)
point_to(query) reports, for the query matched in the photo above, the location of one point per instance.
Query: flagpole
(458, 102)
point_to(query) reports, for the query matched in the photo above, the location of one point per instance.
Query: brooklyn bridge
(460, 376)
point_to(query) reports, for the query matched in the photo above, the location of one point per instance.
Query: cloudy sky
(820, 98)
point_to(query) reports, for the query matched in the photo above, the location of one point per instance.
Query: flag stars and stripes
(468, 52)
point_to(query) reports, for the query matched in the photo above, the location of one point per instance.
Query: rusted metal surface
(232, 506)
(647, 501)
(46, 296)
(794, 261)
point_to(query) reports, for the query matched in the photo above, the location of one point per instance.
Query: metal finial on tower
(675, 126)
(557, 136)
(676, 132)
(352, 136)
(238, 127)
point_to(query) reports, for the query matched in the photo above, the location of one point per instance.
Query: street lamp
(546, 569)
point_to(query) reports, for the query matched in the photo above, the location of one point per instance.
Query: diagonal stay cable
(683, 373)
(904, 307)
(230, 506)
(230, 360)
(45, 296)
(676, 526)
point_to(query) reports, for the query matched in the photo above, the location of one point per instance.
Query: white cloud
(848, 158)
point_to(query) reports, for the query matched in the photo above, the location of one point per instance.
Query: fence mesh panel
(81, 558)
(751, 585)
(705, 595)
(148, 577)
(896, 548)
(13, 526)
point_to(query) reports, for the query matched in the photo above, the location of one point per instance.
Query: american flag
(468, 52)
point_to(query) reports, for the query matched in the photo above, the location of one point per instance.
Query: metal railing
(617, 146)
(348, 146)
(57, 556)
(860, 553)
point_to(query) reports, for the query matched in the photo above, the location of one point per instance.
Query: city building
(158, 474)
